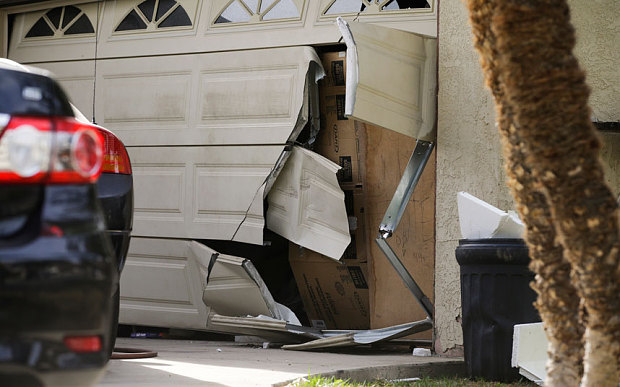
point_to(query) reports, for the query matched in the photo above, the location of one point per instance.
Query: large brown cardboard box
(335, 66)
(340, 140)
(335, 295)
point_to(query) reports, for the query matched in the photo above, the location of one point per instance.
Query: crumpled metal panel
(306, 204)
(235, 288)
(391, 78)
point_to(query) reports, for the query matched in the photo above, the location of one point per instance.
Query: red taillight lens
(115, 158)
(56, 151)
(25, 147)
(83, 344)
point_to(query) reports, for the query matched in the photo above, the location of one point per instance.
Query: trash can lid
(492, 251)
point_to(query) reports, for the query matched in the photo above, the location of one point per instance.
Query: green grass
(317, 381)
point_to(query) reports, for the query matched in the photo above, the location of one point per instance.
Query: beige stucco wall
(468, 149)
(598, 50)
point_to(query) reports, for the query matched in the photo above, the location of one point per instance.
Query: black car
(59, 262)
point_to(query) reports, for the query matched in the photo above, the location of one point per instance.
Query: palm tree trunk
(546, 93)
(558, 302)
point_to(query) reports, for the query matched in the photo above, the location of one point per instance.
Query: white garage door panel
(378, 60)
(78, 81)
(243, 97)
(269, 93)
(306, 204)
(162, 283)
(125, 101)
(201, 192)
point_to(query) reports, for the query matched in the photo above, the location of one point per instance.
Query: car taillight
(115, 158)
(55, 151)
(83, 344)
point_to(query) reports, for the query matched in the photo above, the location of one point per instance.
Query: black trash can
(495, 295)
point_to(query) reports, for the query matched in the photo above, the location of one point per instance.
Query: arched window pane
(282, 10)
(70, 13)
(266, 4)
(40, 28)
(405, 4)
(252, 5)
(234, 13)
(81, 26)
(163, 7)
(147, 8)
(177, 18)
(54, 16)
(131, 22)
(345, 6)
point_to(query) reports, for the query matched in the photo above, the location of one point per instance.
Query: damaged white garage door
(207, 142)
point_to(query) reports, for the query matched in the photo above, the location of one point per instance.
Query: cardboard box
(335, 295)
(335, 66)
(340, 139)
(413, 241)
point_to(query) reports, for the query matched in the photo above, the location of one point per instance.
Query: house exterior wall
(468, 151)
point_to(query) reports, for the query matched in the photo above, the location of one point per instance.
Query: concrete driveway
(216, 363)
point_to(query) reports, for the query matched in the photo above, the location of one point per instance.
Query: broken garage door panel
(235, 288)
(310, 109)
(306, 204)
(378, 60)
(224, 98)
(268, 328)
(201, 192)
(310, 338)
(162, 283)
(334, 339)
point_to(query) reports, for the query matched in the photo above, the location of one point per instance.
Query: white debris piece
(421, 352)
(479, 219)
(529, 351)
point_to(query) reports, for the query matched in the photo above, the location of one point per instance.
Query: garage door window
(338, 7)
(240, 11)
(155, 14)
(59, 21)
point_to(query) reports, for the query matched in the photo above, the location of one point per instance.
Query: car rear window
(24, 93)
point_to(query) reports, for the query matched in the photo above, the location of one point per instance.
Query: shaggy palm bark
(558, 302)
(546, 93)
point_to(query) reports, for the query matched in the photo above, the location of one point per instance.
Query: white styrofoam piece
(529, 351)
(306, 204)
(478, 219)
(421, 352)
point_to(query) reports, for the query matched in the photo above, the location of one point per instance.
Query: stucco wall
(468, 148)
(598, 50)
